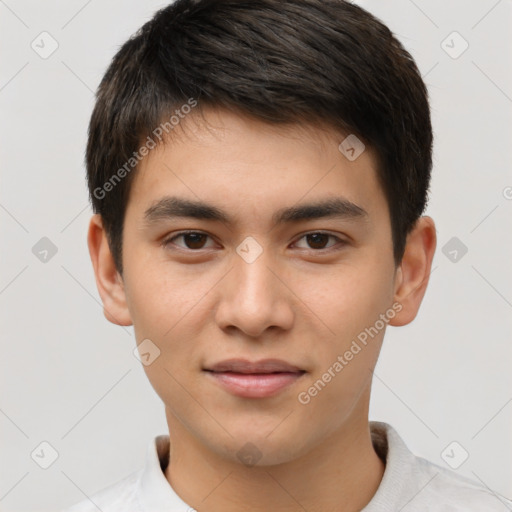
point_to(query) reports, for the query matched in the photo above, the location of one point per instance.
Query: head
(292, 140)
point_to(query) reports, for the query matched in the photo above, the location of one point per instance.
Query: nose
(255, 297)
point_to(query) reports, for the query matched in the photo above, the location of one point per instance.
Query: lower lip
(258, 385)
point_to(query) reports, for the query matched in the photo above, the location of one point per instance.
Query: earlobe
(414, 271)
(109, 282)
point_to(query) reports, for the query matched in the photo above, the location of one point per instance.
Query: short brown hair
(281, 61)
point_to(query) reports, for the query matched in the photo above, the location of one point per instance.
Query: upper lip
(261, 366)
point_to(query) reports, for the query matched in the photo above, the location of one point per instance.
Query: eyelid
(169, 239)
(340, 241)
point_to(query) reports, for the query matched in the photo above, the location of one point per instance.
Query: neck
(341, 473)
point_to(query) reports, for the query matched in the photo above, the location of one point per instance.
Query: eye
(318, 240)
(196, 240)
(192, 239)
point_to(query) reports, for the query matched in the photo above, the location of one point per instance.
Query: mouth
(258, 379)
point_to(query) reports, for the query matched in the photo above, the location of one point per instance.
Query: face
(259, 274)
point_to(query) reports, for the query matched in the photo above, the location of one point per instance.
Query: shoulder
(114, 498)
(453, 492)
(415, 484)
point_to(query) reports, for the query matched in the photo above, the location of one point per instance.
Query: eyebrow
(175, 207)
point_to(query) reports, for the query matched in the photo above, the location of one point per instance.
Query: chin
(255, 448)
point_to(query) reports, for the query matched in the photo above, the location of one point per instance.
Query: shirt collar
(400, 462)
(154, 492)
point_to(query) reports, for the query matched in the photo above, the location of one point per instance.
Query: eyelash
(340, 242)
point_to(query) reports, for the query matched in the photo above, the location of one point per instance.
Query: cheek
(349, 299)
(343, 362)
(160, 297)
(350, 302)
(169, 308)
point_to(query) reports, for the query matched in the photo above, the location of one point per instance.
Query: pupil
(317, 239)
(197, 238)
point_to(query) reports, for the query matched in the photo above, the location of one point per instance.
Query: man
(258, 172)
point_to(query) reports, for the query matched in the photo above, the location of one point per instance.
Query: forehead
(251, 167)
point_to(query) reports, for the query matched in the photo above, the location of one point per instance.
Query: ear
(108, 280)
(413, 273)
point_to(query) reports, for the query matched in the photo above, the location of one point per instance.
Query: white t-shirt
(409, 484)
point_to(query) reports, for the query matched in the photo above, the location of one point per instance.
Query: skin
(303, 301)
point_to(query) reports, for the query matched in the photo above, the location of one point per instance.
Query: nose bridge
(255, 288)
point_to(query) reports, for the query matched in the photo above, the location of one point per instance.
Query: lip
(257, 379)
(261, 366)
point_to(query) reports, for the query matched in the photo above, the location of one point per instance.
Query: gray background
(69, 378)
